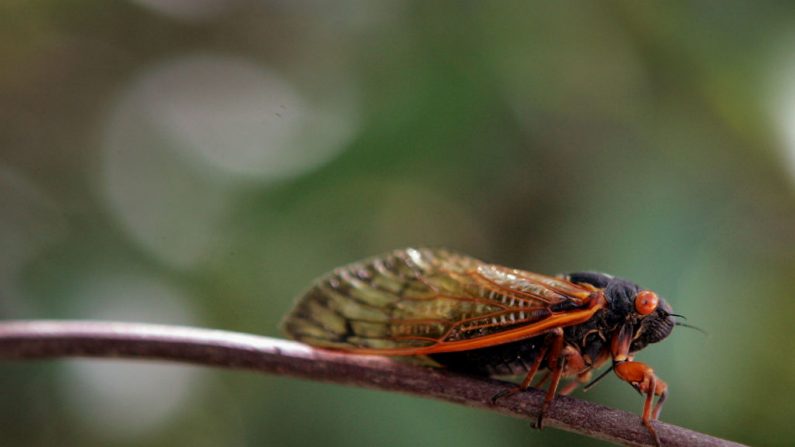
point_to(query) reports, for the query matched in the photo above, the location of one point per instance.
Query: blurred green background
(200, 162)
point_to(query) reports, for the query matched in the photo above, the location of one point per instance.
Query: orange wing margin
(422, 301)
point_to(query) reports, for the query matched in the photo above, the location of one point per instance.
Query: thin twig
(47, 339)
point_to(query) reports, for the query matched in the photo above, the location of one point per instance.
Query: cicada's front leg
(642, 378)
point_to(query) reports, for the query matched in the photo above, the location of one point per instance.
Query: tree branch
(47, 339)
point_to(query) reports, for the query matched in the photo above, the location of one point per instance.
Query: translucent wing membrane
(420, 301)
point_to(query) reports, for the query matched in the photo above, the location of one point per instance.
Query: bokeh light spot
(185, 133)
(190, 10)
(123, 399)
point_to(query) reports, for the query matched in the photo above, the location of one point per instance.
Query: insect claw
(653, 432)
(505, 393)
(540, 421)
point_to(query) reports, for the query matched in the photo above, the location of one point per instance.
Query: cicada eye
(646, 302)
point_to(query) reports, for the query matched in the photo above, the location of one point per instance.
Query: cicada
(482, 318)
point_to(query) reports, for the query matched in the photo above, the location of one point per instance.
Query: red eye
(646, 301)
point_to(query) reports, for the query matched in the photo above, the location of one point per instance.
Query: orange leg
(544, 379)
(557, 359)
(575, 366)
(553, 387)
(527, 379)
(557, 363)
(642, 378)
(569, 388)
(583, 377)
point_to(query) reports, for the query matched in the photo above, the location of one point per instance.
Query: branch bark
(20, 340)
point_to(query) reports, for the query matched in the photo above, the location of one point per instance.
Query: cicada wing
(533, 286)
(414, 300)
(376, 302)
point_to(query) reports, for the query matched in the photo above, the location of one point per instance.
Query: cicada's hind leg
(642, 378)
(528, 379)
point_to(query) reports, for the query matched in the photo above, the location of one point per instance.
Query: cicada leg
(564, 361)
(555, 361)
(528, 379)
(543, 379)
(558, 363)
(583, 377)
(561, 360)
(642, 378)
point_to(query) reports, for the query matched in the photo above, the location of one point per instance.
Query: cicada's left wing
(423, 301)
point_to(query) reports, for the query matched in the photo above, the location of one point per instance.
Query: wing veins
(528, 296)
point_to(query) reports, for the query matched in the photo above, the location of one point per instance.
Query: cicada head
(647, 314)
